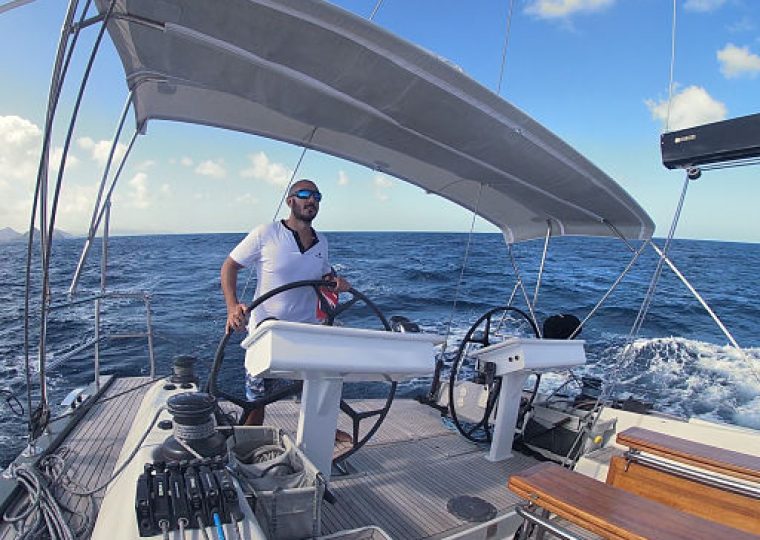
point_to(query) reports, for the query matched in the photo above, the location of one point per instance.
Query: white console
(323, 357)
(515, 359)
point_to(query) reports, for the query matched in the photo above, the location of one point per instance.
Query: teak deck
(401, 480)
(96, 441)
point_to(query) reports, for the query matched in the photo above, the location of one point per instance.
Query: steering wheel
(332, 313)
(483, 332)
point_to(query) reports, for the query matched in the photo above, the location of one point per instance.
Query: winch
(194, 433)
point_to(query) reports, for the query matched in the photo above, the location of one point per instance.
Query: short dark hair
(292, 190)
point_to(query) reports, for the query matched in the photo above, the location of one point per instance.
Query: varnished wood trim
(689, 496)
(720, 460)
(611, 512)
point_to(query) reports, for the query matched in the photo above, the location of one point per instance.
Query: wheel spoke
(340, 308)
(332, 313)
(485, 321)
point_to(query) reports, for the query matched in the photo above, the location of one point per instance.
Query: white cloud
(557, 9)
(343, 179)
(55, 159)
(745, 24)
(212, 168)
(139, 191)
(382, 184)
(19, 149)
(737, 61)
(147, 164)
(703, 6)
(77, 203)
(186, 161)
(99, 150)
(690, 107)
(166, 189)
(262, 168)
(246, 199)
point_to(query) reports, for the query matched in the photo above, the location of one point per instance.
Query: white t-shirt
(278, 258)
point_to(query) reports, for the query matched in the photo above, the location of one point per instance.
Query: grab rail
(523, 510)
(143, 296)
(702, 476)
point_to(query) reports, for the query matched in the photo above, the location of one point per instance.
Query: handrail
(702, 476)
(113, 294)
(144, 296)
(524, 512)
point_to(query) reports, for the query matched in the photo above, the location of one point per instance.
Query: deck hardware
(472, 509)
(702, 476)
(194, 434)
(630, 456)
(543, 524)
(183, 370)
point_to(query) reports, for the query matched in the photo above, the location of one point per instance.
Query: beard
(305, 214)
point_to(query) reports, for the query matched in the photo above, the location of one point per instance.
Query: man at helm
(282, 252)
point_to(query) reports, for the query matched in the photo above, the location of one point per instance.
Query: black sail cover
(311, 74)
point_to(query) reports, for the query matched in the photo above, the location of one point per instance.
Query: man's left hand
(340, 284)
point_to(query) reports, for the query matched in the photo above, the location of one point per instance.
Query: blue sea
(682, 362)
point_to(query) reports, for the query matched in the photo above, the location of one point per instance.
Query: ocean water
(681, 360)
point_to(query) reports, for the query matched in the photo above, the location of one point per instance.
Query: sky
(595, 72)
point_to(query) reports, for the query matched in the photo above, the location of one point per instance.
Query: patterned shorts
(259, 387)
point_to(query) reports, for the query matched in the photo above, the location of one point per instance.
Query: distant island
(8, 235)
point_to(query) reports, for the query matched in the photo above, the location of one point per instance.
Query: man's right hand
(237, 316)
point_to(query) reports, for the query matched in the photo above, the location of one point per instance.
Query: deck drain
(471, 508)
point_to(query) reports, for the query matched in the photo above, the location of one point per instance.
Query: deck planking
(400, 481)
(93, 446)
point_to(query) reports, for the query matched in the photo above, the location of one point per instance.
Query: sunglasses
(306, 193)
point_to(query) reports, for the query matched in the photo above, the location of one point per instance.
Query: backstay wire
(663, 258)
(648, 297)
(627, 350)
(644, 309)
(375, 10)
(282, 199)
(614, 285)
(461, 272)
(672, 66)
(543, 261)
(521, 286)
(298, 165)
(646, 303)
(709, 310)
(506, 45)
(663, 253)
(519, 283)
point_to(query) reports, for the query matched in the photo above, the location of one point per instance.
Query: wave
(417, 275)
(687, 377)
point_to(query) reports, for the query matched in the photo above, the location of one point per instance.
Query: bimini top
(306, 72)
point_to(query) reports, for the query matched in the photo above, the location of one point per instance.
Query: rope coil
(194, 432)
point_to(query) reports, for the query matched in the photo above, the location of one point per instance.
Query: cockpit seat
(606, 510)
